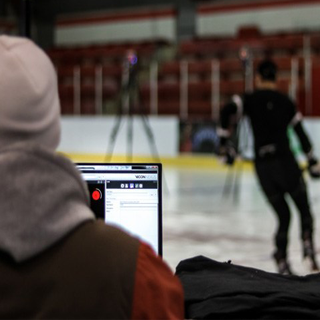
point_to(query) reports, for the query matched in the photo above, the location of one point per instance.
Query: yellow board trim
(188, 160)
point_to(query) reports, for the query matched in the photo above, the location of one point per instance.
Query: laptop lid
(129, 196)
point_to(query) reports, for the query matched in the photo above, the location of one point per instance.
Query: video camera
(131, 58)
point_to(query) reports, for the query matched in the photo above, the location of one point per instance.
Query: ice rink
(202, 217)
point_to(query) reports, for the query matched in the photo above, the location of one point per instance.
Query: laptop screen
(129, 196)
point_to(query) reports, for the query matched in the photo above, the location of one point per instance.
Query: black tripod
(233, 177)
(130, 92)
(242, 132)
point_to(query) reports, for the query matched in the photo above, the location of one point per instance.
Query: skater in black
(271, 113)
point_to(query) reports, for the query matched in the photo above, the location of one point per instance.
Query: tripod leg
(150, 137)
(232, 181)
(130, 138)
(113, 138)
(152, 144)
(237, 183)
(228, 182)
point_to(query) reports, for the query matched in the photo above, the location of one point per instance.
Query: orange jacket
(157, 292)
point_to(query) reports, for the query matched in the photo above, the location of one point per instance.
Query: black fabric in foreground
(221, 290)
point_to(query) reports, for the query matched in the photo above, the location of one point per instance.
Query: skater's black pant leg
(300, 198)
(282, 211)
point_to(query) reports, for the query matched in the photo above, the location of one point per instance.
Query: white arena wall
(269, 16)
(91, 135)
(211, 19)
(116, 26)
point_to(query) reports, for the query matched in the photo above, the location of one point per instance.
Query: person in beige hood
(56, 259)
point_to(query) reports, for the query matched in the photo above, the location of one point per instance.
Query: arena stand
(197, 78)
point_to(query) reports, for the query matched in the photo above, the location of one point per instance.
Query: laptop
(129, 196)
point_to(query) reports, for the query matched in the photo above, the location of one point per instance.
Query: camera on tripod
(131, 58)
(130, 100)
(130, 70)
(131, 106)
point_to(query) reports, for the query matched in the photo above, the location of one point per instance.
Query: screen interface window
(126, 196)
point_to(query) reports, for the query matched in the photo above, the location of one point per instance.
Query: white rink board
(91, 134)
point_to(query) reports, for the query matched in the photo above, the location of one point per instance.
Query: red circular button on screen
(96, 194)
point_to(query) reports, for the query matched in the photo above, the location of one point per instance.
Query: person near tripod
(271, 113)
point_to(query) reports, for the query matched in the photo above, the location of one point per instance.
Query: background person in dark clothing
(271, 113)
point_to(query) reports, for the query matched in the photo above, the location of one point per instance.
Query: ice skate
(309, 257)
(283, 266)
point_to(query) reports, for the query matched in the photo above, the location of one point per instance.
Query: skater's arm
(313, 164)
(301, 133)
(228, 121)
(227, 113)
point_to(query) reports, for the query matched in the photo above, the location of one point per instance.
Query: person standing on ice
(271, 113)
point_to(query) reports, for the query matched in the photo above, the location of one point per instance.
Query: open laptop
(127, 195)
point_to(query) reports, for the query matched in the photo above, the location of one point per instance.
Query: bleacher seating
(203, 73)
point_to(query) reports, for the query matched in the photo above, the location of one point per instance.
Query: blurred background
(161, 71)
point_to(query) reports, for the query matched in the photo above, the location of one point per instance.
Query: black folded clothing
(222, 290)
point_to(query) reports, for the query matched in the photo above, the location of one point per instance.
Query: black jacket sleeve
(303, 137)
(226, 113)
